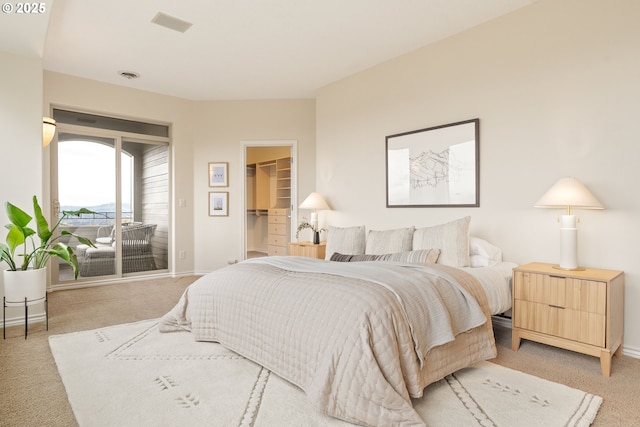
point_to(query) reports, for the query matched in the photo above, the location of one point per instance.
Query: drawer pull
(557, 277)
(556, 306)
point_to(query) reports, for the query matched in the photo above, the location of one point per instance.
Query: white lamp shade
(314, 201)
(568, 193)
(48, 130)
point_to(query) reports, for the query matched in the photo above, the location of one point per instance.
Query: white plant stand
(23, 289)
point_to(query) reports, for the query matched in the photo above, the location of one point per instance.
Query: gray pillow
(424, 256)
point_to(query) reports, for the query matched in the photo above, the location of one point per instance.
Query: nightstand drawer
(308, 249)
(559, 291)
(581, 326)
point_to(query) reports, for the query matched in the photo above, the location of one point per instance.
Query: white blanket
(352, 336)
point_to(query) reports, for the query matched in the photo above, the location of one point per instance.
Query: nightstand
(582, 311)
(308, 249)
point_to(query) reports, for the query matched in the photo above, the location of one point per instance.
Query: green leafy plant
(33, 255)
(305, 224)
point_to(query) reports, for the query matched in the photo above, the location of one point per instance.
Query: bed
(361, 339)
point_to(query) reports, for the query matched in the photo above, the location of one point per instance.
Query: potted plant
(313, 227)
(25, 281)
(33, 257)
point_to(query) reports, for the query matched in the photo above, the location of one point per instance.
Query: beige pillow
(345, 240)
(389, 241)
(451, 238)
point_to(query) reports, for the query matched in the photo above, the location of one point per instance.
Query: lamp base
(558, 267)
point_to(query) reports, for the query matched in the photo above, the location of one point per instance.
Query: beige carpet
(133, 375)
(33, 393)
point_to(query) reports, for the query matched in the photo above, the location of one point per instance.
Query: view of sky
(86, 174)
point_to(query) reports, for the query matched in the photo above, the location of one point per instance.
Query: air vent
(129, 74)
(171, 22)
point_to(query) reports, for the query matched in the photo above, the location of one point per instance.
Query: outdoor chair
(137, 252)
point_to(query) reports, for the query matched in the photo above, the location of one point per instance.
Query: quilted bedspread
(356, 337)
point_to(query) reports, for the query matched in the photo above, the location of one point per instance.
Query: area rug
(133, 375)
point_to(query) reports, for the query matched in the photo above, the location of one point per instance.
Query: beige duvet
(361, 339)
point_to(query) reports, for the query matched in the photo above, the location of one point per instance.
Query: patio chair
(137, 254)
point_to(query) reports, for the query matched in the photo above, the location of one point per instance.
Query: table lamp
(315, 202)
(568, 193)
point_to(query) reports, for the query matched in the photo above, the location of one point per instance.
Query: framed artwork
(218, 174)
(434, 167)
(219, 203)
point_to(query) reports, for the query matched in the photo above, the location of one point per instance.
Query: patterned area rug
(132, 375)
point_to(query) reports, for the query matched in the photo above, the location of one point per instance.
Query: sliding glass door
(87, 179)
(124, 181)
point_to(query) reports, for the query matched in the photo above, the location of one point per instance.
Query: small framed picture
(218, 174)
(219, 203)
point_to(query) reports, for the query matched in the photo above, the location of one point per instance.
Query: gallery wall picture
(218, 174)
(219, 203)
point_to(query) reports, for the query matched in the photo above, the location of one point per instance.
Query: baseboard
(631, 352)
(19, 321)
(110, 281)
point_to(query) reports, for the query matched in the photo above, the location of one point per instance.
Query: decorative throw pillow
(452, 238)
(425, 256)
(352, 258)
(389, 241)
(345, 240)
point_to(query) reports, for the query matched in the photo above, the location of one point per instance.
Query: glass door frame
(118, 137)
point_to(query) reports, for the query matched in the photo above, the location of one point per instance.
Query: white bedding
(496, 281)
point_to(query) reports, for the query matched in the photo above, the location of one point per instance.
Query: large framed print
(219, 203)
(434, 167)
(219, 174)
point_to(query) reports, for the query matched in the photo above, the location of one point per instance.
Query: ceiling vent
(171, 22)
(129, 74)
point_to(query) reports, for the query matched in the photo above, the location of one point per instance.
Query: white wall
(556, 87)
(219, 128)
(20, 139)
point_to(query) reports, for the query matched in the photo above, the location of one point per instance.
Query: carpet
(132, 375)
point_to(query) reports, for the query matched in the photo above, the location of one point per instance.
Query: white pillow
(389, 241)
(348, 241)
(451, 238)
(483, 253)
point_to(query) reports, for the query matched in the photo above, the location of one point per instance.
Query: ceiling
(236, 49)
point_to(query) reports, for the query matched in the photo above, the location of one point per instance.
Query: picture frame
(218, 174)
(434, 167)
(218, 203)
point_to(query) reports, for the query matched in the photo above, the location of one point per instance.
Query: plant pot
(21, 284)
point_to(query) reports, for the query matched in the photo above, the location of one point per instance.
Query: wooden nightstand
(308, 249)
(582, 311)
